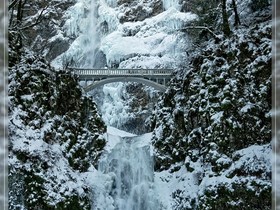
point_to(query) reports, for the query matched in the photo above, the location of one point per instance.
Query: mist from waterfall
(130, 165)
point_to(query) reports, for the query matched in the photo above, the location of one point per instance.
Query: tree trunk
(19, 11)
(236, 16)
(226, 28)
(11, 17)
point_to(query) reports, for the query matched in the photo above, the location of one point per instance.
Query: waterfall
(83, 25)
(104, 35)
(93, 39)
(131, 167)
(171, 3)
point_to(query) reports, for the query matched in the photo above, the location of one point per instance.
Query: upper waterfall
(105, 35)
(84, 27)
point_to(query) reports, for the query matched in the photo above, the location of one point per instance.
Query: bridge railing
(113, 72)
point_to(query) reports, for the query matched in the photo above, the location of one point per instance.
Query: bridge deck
(151, 73)
(156, 78)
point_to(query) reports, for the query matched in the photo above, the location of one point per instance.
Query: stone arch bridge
(156, 78)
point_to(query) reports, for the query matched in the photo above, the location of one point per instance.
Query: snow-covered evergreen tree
(217, 111)
(55, 131)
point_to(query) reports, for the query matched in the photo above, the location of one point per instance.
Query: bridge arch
(147, 82)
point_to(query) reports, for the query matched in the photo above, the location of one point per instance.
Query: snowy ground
(113, 137)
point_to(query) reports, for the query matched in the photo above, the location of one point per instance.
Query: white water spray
(131, 167)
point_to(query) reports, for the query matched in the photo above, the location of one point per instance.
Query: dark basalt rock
(135, 12)
(40, 97)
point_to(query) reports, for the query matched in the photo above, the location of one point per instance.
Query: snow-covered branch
(37, 21)
(13, 4)
(201, 28)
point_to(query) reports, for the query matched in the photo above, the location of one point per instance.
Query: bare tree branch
(226, 28)
(201, 28)
(19, 11)
(236, 16)
(38, 20)
(12, 5)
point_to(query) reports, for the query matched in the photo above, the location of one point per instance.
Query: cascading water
(83, 24)
(93, 39)
(131, 167)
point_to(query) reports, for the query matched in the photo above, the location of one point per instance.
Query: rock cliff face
(138, 11)
(215, 110)
(48, 37)
(55, 135)
(224, 97)
(55, 131)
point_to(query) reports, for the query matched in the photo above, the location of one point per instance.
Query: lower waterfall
(130, 167)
